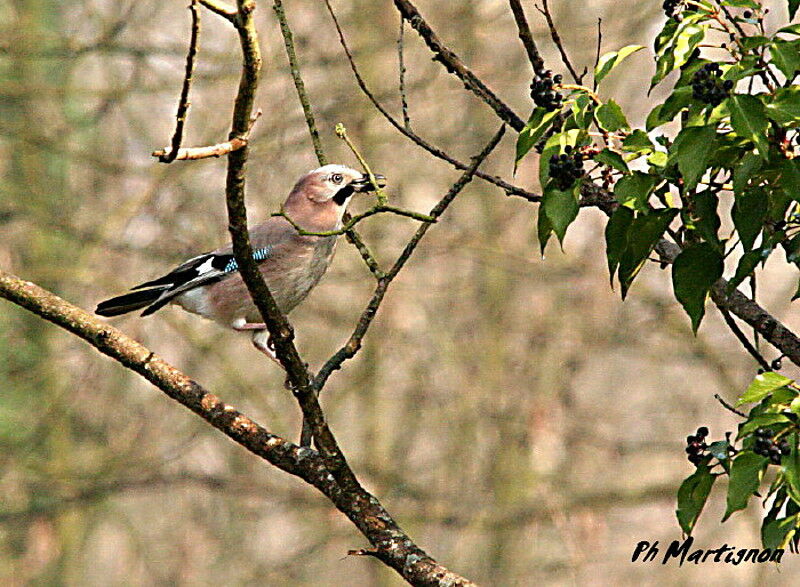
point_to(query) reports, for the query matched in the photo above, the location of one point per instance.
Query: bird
(291, 262)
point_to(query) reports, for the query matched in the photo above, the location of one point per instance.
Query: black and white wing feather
(155, 294)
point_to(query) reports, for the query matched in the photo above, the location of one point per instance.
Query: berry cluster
(696, 445)
(765, 446)
(566, 168)
(542, 90)
(708, 87)
(674, 9)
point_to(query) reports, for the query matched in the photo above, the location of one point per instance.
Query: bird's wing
(216, 265)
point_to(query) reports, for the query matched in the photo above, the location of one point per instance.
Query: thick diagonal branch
(392, 544)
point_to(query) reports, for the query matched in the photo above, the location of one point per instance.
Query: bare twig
(195, 153)
(728, 407)
(597, 50)
(743, 338)
(454, 65)
(353, 344)
(294, 67)
(170, 154)
(545, 10)
(223, 9)
(401, 66)
(510, 189)
(526, 36)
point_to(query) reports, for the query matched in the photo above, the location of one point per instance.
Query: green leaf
(610, 60)
(638, 142)
(706, 218)
(692, 496)
(663, 113)
(692, 149)
(612, 159)
(694, 271)
(763, 385)
(747, 167)
(634, 190)
(561, 208)
(749, 121)
(617, 238)
(543, 230)
(610, 116)
(785, 106)
(676, 43)
(774, 533)
(760, 421)
(747, 264)
(742, 4)
(786, 56)
(789, 178)
(658, 159)
(644, 234)
(792, 29)
(748, 212)
(719, 449)
(745, 478)
(538, 124)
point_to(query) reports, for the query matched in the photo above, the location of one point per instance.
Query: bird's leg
(262, 340)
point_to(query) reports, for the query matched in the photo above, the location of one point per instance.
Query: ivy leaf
(560, 207)
(692, 149)
(763, 385)
(610, 117)
(748, 212)
(789, 180)
(692, 496)
(749, 121)
(538, 124)
(610, 60)
(663, 113)
(745, 478)
(633, 190)
(694, 271)
(617, 238)
(786, 56)
(644, 234)
(749, 165)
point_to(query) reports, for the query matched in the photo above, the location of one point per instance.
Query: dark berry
(727, 85)
(542, 90)
(566, 168)
(702, 431)
(776, 364)
(785, 448)
(747, 14)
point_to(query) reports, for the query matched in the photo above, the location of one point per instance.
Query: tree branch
(510, 189)
(526, 36)
(353, 344)
(169, 155)
(392, 544)
(455, 66)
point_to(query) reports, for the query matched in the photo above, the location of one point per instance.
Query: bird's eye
(337, 178)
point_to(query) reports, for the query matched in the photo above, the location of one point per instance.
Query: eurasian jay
(291, 263)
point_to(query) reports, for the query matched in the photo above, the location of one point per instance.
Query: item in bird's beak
(365, 185)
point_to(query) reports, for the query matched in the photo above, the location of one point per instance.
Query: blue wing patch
(258, 255)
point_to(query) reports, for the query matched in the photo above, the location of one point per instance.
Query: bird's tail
(129, 302)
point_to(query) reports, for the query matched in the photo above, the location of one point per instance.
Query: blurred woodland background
(517, 419)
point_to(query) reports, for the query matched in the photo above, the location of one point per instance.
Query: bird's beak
(365, 185)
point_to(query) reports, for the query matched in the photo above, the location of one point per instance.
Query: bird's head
(321, 196)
